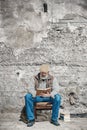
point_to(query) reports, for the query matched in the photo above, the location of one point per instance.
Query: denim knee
(28, 96)
(58, 98)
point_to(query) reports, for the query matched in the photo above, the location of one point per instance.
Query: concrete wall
(29, 37)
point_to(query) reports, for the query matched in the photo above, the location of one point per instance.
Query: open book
(45, 91)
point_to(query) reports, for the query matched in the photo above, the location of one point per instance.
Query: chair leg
(35, 112)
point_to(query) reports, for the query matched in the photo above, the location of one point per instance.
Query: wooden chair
(42, 106)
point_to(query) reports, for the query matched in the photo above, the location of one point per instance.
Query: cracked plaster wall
(29, 37)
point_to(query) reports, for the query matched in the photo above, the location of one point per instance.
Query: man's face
(44, 74)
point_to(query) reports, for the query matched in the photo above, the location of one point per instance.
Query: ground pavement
(10, 121)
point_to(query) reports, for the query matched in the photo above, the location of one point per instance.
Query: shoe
(54, 122)
(30, 123)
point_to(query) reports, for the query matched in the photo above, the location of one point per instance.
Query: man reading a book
(44, 88)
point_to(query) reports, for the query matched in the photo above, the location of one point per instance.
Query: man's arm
(55, 87)
(32, 87)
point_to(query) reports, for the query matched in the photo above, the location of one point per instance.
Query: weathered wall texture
(29, 37)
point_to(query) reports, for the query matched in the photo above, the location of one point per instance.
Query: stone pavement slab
(11, 122)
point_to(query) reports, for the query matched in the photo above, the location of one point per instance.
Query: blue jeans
(30, 101)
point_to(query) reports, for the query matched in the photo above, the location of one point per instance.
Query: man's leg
(29, 105)
(55, 108)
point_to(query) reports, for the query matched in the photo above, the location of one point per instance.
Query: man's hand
(45, 95)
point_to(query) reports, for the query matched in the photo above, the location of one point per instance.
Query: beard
(43, 77)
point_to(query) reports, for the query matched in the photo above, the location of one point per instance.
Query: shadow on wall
(23, 115)
(84, 4)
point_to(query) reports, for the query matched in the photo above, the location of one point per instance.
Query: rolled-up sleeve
(55, 89)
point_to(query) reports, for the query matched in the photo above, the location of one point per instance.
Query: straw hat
(44, 68)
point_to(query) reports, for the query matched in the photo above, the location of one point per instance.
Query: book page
(45, 91)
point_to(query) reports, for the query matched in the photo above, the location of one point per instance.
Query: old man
(43, 80)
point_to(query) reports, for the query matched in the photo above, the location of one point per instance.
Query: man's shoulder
(50, 76)
(37, 76)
